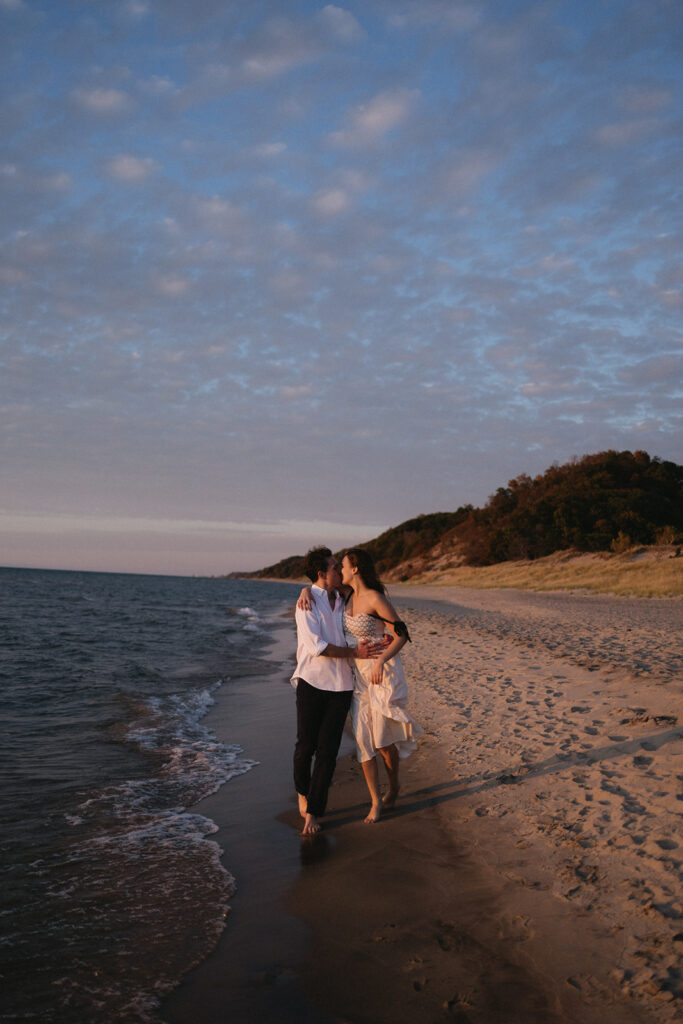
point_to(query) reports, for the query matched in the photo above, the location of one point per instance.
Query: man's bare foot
(374, 815)
(389, 798)
(303, 805)
(311, 825)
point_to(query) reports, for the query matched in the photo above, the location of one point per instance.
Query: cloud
(157, 86)
(433, 239)
(102, 101)
(331, 202)
(280, 48)
(273, 47)
(340, 24)
(219, 216)
(442, 14)
(623, 133)
(466, 170)
(672, 297)
(13, 275)
(69, 523)
(368, 123)
(32, 180)
(655, 370)
(645, 99)
(283, 43)
(137, 8)
(131, 170)
(293, 393)
(172, 286)
(57, 182)
(268, 150)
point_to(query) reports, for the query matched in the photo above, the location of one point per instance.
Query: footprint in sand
(516, 929)
(454, 1006)
(449, 937)
(666, 719)
(590, 987)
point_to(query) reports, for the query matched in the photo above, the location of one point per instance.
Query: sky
(277, 274)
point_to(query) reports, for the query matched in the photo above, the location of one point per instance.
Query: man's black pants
(320, 717)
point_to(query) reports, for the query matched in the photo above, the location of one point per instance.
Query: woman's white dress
(378, 712)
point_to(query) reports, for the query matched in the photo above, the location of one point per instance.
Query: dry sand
(561, 718)
(530, 873)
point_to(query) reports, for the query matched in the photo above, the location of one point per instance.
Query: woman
(381, 725)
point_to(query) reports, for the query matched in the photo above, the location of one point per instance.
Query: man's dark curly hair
(316, 562)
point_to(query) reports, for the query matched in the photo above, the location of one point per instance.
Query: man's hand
(368, 649)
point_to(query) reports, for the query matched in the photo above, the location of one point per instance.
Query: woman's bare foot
(374, 814)
(303, 805)
(311, 825)
(389, 798)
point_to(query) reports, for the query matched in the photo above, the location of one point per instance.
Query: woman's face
(346, 571)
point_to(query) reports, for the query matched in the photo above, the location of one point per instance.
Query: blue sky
(276, 274)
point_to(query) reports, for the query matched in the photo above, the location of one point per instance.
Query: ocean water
(112, 888)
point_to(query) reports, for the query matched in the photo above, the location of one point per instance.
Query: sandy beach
(530, 871)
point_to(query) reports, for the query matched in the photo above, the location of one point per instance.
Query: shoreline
(644, 572)
(251, 974)
(526, 873)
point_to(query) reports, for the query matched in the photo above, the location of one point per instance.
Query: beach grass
(641, 572)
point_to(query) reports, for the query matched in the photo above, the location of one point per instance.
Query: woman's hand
(306, 600)
(382, 647)
(377, 672)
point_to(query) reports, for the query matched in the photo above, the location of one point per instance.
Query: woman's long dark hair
(362, 560)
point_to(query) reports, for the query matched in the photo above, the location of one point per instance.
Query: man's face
(332, 576)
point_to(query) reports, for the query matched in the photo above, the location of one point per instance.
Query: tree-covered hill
(601, 502)
(596, 503)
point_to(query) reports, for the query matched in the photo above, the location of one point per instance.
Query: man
(324, 685)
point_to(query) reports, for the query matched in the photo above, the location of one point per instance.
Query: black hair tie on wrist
(402, 629)
(399, 625)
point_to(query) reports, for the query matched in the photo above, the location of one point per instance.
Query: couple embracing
(349, 636)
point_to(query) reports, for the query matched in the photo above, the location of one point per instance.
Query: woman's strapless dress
(378, 713)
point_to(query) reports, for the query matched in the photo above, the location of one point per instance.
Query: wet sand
(530, 872)
(252, 974)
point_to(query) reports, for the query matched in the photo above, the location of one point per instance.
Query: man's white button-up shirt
(317, 628)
